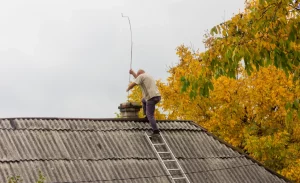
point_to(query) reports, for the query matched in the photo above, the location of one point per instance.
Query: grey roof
(116, 150)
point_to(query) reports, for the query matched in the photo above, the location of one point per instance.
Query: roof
(116, 150)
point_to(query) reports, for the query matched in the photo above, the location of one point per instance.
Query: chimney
(130, 109)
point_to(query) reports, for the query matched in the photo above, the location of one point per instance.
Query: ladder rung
(163, 152)
(169, 160)
(177, 178)
(174, 169)
(159, 144)
(153, 136)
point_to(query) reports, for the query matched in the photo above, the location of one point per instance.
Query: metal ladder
(167, 159)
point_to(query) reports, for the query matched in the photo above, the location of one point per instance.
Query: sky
(70, 58)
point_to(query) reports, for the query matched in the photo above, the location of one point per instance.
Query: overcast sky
(62, 58)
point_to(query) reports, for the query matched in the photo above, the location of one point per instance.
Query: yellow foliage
(292, 171)
(252, 70)
(248, 112)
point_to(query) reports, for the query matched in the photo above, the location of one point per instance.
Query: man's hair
(141, 71)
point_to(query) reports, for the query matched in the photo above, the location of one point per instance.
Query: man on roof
(151, 95)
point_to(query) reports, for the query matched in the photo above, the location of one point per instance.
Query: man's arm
(132, 73)
(130, 86)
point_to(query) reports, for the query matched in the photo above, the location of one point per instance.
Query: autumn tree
(266, 33)
(253, 113)
(245, 87)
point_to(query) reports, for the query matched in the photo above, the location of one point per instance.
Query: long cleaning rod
(131, 45)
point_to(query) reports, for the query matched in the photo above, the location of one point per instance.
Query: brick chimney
(130, 109)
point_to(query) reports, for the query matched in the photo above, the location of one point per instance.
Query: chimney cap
(135, 105)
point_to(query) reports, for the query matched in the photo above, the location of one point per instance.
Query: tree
(258, 113)
(253, 113)
(245, 87)
(266, 33)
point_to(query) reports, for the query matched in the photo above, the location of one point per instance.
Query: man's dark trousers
(149, 108)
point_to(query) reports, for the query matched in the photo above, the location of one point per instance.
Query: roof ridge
(97, 119)
(93, 130)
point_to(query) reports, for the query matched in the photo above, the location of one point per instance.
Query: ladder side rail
(169, 149)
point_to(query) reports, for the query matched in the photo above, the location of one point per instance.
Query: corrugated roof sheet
(69, 150)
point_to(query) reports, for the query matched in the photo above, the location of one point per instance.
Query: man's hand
(127, 90)
(130, 86)
(132, 73)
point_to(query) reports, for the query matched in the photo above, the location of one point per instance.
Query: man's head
(141, 71)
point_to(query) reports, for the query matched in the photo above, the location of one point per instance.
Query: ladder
(167, 158)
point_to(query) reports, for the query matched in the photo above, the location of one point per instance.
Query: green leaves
(268, 29)
(17, 179)
(185, 84)
(296, 104)
(248, 66)
(204, 90)
(214, 31)
(288, 105)
(210, 85)
(293, 33)
(199, 87)
(289, 116)
(41, 178)
(292, 107)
